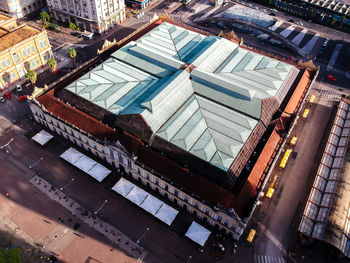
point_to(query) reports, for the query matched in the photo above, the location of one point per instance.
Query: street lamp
(105, 202)
(143, 235)
(69, 183)
(7, 145)
(36, 163)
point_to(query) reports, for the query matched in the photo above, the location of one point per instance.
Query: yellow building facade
(22, 47)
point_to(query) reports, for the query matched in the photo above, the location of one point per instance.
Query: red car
(330, 77)
(22, 98)
(292, 59)
(58, 71)
(8, 95)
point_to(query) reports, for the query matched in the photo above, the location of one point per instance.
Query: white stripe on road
(334, 55)
(285, 33)
(309, 46)
(297, 40)
(276, 25)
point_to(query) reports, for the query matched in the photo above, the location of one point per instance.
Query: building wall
(116, 156)
(19, 8)
(31, 53)
(93, 15)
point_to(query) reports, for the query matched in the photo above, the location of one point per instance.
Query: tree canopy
(31, 75)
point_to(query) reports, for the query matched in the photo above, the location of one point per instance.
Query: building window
(3, 64)
(138, 171)
(41, 45)
(147, 176)
(196, 205)
(37, 61)
(157, 181)
(166, 187)
(33, 64)
(45, 44)
(24, 54)
(16, 57)
(233, 227)
(219, 219)
(120, 158)
(8, 62)
(28, 51)
(176, 193)
(33, 49)
(13, 75)
(186, 199)
(226, 223)
(129, 163)
(207, 211)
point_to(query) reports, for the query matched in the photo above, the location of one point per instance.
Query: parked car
(272, 14)
(291, 20)
(22, 98)
(8, 95)
(299, 23)
(19, 88)
(58, 71)
(2, 99)
(332, 78)
(292, 59)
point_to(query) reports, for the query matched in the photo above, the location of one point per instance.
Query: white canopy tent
(166, 214)
(99, 172)
(42, 137)
(137, 195)
(86, 164)
(123, 187)
(71, 155)
(146, 201)
(151, 204)
(198, 233)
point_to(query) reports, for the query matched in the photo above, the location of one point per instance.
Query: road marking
(273, 239)
(268, 259)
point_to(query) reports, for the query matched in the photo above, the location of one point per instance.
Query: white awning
(166, 214)
(99, 172)
(146, 201)
(198, 233)
(42, 137)
(137, 195)
(71, 155)
(86, 164)
(123, 187)
(151, 204)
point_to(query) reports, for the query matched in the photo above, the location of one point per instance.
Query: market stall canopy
(86, 164)
(146, 201)
(166, 214)
(123, 187)
(42, 137)
(198, 233)
(137, 195)
(151, 204)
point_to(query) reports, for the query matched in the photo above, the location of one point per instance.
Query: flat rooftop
(201, 93)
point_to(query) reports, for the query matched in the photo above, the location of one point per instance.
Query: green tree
(12, 255)
(72, 26)
(31, 75)
(342, 21)
(52, 64)
(45, 17)
(72, 53)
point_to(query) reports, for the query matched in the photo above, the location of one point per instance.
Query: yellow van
(251, 236)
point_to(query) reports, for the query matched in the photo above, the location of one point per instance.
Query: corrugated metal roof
(209, 110)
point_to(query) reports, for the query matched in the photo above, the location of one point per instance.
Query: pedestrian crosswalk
(330, 94)
(336, 70)
(268, 259)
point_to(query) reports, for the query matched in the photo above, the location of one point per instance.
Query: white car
(19, 88)
(299, 23)
(2, 99)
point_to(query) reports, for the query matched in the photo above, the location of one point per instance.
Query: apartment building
(95, 16)
(19, 8)
(22, 47)
(180, 112)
